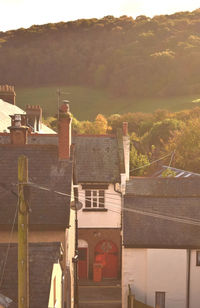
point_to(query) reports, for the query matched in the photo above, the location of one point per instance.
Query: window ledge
(95, 210)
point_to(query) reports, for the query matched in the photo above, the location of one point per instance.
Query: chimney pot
(34, 116)
(64, 108)
(18, 133)
(7, 93)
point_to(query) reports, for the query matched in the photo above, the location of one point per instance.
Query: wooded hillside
(141, 57)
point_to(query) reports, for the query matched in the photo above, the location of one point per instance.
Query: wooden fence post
(131, 298)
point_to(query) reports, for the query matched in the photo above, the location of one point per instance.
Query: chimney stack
(34, 117)
(64, 131)
(18, 132)
(7, 93)
(125, 128)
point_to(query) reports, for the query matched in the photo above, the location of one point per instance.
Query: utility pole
(23, 268)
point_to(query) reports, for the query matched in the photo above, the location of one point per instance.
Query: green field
(86, 103)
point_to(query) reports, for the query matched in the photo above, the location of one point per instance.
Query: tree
(186, 142)
(138, 162)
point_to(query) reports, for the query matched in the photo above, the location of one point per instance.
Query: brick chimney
(18, 132)
(7, 93)
(126, 144)
(64, 131)
(34, 117)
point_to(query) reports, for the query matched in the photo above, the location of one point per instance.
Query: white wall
(126, 144)
(57, 275)
(167, 272)
(134, 273)
(195, 282)
(151, 270)
(108, 219)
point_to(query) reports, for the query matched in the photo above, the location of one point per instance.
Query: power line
(8, 248)
(181, 219)
(147, 165)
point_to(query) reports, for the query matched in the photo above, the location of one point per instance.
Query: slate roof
(48, 209)
(7, 109)
(171, 198)
(97, 159)
(42, 256)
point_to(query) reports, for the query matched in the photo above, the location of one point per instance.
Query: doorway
(106, 253)
(82, 259)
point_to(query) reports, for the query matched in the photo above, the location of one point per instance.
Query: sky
(16, 14)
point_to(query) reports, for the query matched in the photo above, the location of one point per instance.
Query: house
(45, 281)
(51, 181)
(161, 242)
(102, 168)
(32, 115)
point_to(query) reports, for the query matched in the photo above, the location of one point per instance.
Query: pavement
(104, 294)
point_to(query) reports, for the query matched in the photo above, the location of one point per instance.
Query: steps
(105, 295)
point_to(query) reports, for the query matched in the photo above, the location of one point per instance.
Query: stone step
(104, 304)
(99, 293)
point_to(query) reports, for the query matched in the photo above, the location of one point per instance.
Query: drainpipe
(188, 277)
(122, 198)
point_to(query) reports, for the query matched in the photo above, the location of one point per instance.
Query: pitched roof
(7, 109)
(42, 256)
(97, 159)
(48, 209)
(152, 207)
(176, 187)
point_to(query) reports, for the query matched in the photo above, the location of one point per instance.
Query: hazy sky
(24, 13)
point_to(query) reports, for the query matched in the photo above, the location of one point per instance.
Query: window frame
(94, 199)
(197, 257)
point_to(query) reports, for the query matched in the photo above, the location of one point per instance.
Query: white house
(102, 165)
(161, 242)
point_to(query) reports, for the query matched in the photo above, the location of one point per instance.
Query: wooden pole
(23, 272)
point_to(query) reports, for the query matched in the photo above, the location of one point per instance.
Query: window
(160, 300)
(94, 198)
(198, 258)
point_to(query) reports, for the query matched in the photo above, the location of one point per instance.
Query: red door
(107, 254)
(82, 263)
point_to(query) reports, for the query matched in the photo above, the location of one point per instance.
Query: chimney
(125, 128)
(7, 93)
(18, 132)
(34, 117)
(64, 131)
(126, 144)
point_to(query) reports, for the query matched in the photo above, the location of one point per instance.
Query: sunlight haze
(24, 13)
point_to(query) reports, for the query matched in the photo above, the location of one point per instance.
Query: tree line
(157, 56)
(152, 136)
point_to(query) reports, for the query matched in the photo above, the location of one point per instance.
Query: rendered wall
(108, 219)
(57, 275)
(195, 282)
(151, 270)
(70, 252)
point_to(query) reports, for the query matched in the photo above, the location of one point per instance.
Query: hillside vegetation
(86, 103)
(174, 135)
(144, 57)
